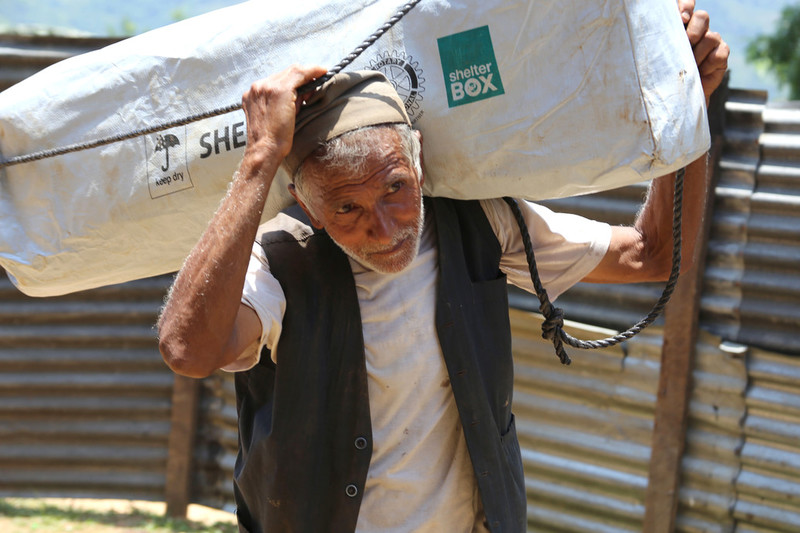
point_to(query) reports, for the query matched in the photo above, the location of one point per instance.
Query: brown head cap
(346, 102)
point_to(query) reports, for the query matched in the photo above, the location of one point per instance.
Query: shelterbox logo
(469, 67)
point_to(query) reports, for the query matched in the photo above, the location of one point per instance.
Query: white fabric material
(555, 98)
(420, 476)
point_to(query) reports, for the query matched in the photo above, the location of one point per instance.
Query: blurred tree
(127, 28)
(779, 52)
(178, 14)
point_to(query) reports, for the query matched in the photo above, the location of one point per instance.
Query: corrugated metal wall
(586, 431)
(85, 398)
(24, 55)
(217, 444)
(768, 485)
(752, 297)
(84, 395)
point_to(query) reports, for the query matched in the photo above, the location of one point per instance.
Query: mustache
(399, 237)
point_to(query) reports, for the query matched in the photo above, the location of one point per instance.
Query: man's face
(376, 216)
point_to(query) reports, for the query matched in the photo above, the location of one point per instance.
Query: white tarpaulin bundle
(536, 99)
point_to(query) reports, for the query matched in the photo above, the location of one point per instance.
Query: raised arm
(644, 252)
(203, 325)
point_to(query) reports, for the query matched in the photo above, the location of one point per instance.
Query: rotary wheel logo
(406, 77)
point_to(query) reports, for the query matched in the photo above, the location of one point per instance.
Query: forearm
(196, 327)
(655, 220)
(643, 252)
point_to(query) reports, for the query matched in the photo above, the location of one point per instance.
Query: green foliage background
(779, 52)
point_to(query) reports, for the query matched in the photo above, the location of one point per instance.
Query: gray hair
(349, 151)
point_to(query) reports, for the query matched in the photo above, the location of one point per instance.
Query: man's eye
(346, 208)
(396, 186)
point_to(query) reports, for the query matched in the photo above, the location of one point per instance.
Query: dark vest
(305, 438)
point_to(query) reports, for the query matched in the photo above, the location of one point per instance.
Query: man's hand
(710, 51)
(270, 106)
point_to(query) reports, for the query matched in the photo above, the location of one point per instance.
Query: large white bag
(536, 99)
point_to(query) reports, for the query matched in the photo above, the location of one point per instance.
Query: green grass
(25, 515)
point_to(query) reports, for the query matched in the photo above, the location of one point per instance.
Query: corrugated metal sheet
(217, 443)
(770, 308)
(24, 55)
(586, 431)
(84, 395)
(714, 437)
(768, 485)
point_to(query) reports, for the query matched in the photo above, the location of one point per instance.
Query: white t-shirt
(420, 476)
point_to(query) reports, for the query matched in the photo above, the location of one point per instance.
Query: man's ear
(421, 159)
(314, 222)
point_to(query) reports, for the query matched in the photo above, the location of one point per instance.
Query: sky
(739, 21)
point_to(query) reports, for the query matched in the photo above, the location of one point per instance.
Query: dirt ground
(105, 516)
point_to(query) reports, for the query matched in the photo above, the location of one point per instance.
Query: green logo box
(469, 67)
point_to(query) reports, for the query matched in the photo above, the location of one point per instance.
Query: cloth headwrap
(346, 102)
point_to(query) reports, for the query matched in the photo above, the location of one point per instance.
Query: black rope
(46, 154)
(553, 326)
(369, 41)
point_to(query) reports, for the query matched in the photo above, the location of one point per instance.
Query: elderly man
(381, 400)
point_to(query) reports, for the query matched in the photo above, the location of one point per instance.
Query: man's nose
(383, 226)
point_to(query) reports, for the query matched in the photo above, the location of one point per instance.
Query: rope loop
(553, 326)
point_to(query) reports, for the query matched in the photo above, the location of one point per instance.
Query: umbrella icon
(165, 142)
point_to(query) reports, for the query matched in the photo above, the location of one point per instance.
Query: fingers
(686, 8)
(710, 50)
(286, 80)
(270, 106)
(697, 27)
(299, 75)
(715, 63)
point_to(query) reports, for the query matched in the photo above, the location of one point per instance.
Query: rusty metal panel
(768, 485)
(84, 394)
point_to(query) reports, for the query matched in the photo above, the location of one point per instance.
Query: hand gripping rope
(553, 327)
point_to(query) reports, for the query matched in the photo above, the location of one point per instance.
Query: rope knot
(553, 323)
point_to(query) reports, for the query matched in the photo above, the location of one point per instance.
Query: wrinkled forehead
(354, 157)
